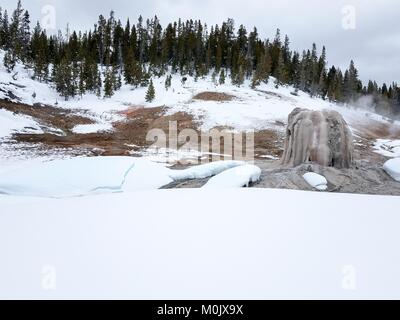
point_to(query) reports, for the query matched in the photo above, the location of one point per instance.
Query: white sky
(374, 44)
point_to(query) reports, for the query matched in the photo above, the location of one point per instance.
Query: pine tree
(9, 61)
(168, 82)
(262, 71)
(116, 78)
(214, 77)
(222, 77)
(1, 29)
(99, 84)
(151, 93)
(63, 79)
(16, 31)
(280, 71)
(132, 71)
(25, 36)
(39, 53)
(109, 83)
(5, 32)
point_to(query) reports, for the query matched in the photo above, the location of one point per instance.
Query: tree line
(102, 59)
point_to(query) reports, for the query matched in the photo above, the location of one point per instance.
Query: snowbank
(205, 170)
(11, 123)
(92, 128)
(84, 176)
(63, 178)
(88, 176)
(316, 181)
(191, 244)
(235, 178)
(387, 148)
(392, 167)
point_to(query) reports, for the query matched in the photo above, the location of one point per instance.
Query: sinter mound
(321, 137)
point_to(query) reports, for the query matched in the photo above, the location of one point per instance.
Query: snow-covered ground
(11, 123)
(388, 148)
(99, 175)
(241, 176)
(197, 244)
(92, 128)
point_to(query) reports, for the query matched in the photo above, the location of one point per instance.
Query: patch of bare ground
(373, 129)
(63, 119)
(269, 94)
(268, 143)
(214, 96)
(131, 131)
(366, 134)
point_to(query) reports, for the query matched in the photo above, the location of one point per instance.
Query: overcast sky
(372, 39)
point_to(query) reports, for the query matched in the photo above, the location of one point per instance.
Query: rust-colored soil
(378, 130)
(269, 142)
(132, 131)
(63, 119)
(213, 96)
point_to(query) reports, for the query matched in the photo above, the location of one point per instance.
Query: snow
(237, 177)
(88, 176)
(392, 167)
(169, 155)
(11, 123)
(387, 148)
(63, 178)
(92, 128)
(191, 244)
(205, 170)
(250, 109)
(316, 181)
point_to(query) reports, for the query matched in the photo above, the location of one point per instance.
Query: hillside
(80, 125)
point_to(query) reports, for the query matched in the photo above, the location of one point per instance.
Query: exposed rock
(320, 137)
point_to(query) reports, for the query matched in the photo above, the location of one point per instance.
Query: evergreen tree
(16, 31)
(168, 82)
(5, 32)
(1, 29)
(280, 71)
(64, 79)
(99, 84)
(351, 83)
(9, 61)
(109, 83)
(151, 93)
(39, 53)
(133, 71)
(263, 70)
(221, 80)
(26, 36)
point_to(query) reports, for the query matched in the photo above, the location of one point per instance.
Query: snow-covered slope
(11, 123)
(249, 109)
